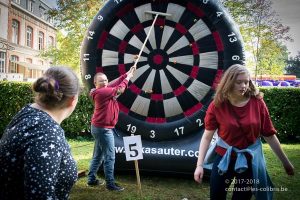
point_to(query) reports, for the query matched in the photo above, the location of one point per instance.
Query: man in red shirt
(104, 119)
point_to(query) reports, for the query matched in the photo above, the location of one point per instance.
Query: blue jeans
(104, 151)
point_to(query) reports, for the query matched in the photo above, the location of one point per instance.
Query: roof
(51, 3)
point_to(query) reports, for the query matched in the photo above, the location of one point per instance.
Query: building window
(2, 62)
(41, 40)
(29, 36)
(30, 5)
(51, 20)
(43, 12)
(13, 65)
(39, 73)
(32, 72)
(15, 31)
(17, 1)
(50, 41)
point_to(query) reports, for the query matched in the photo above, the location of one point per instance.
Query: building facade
(26, 31)
(3, 35)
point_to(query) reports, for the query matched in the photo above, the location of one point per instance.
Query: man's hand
(130, 73)
(92, 90)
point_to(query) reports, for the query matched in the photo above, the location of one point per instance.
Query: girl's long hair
(225, 87)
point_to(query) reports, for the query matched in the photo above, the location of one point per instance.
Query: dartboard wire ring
(154, 119)
(195, 53)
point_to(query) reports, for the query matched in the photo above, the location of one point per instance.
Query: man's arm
(119, 80)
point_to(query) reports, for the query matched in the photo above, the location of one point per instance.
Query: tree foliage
(263, 33)
(273, 57)
(293, 65)
(72, 18)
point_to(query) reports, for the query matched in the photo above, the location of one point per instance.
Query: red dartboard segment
(179, 67)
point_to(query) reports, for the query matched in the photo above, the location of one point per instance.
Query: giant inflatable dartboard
(178, 70)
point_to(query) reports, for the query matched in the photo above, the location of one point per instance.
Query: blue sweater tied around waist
(261, 181)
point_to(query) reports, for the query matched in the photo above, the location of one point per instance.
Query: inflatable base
(178, 156)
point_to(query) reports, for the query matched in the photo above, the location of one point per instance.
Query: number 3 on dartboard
(152, 134)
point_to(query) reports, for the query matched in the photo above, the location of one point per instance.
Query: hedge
(283, 104)
(284, 108)
(15, 95)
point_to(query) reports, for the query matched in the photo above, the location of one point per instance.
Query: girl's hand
(198, 174)
(289, 168)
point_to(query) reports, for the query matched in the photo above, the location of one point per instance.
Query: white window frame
(2, 61)
(43, 12)
(17, 1)
(15, 31)
(50, 41)
(41, 40)
(14, 66)
(29, 36)
(30, 5)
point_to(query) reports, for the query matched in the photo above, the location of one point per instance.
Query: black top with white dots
(35, 159)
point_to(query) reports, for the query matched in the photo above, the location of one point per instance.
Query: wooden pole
(137, 171)
(143, 46)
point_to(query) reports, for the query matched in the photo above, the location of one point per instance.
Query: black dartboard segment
(179, 67)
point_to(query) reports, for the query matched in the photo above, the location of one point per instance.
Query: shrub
(283, 104)
(14, 95)
(78, 124)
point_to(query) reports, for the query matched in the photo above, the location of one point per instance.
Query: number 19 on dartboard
(133, 147)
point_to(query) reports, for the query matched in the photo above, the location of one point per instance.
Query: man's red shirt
(106, 108)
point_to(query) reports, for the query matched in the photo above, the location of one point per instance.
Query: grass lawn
(156, 187)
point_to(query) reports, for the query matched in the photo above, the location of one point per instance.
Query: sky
(289, 12)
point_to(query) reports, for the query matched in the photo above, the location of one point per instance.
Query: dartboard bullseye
(178, 69)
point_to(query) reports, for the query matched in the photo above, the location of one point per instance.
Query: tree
(293, 66)
(72, 18)
(273, 57)
(262, 32)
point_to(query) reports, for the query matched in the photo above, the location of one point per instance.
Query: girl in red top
(240, 115)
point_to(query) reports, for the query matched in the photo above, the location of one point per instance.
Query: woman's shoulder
(214, 108)
(259, 101)
(36, 123)
(212, 105)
